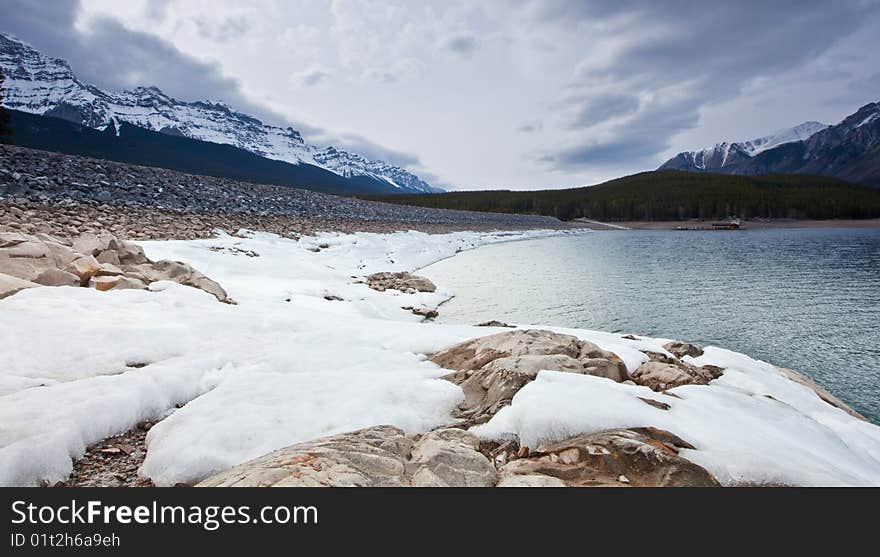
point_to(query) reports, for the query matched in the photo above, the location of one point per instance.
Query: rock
(682, 349)
(109, 270)
(451, 458)
(57, 277)
(84, 267)
(104, 283)
(427, 313)
(655, 403)
(492, 387)
(179, 272)
(128, 253)
(109, 256)
(531, 364)
(91, 244)
(372, 457)
(494, 323)
(659, 376)
(10, 285)
(402, 281)
(611, 368)
(492, 369)
(9, 239)
(530, 480)
(474, 354)
(644, 456)
(381, 456)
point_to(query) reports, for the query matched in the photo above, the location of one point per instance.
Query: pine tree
(5, 129)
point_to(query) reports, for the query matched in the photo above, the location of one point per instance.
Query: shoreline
(305, 289)
(746, 224)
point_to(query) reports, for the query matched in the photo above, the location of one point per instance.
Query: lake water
(806, 299)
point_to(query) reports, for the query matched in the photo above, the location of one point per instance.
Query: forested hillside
(675, 195)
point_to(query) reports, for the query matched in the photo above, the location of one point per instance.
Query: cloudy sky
(499, 94)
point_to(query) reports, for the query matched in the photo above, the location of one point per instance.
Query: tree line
(674, 195)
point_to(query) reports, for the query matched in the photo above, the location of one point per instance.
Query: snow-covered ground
(285, 365)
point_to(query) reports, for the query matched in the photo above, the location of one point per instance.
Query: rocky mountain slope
(47, 86)
(726, 154)
(849, 150)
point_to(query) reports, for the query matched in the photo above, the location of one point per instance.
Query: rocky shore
(66, 195)
(328, 371)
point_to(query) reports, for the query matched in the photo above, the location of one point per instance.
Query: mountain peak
(725, 154)
(47, 86)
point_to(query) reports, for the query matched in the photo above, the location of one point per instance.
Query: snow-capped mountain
(729, 154)
(352, 165)
(47, 86)
(849, 150)
(780, 137)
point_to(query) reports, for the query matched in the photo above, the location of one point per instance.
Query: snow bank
(283, 366)
(286, 365)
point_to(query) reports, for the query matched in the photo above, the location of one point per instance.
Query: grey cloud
(591, 110)
(633, 145)
(311, 77)
(530, 127)
(226, 30)
(710, 55)
(463, 44)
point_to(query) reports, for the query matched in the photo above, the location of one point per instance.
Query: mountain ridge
(48, 86)
(849, 150)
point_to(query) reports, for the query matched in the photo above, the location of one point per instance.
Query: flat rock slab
(381, 456)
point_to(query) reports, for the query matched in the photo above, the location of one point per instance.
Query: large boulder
(618, 457)
(179, 272)
(381, 456)
(403, 281)
(659, 376)
(372, 457)
(84, 267)
(56, 277)
(492, 369)
(663, 375)
(474, 354)
(10, 285)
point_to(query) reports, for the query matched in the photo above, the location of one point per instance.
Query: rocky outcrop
(402, 281)
(385, 456)
(492, 369)
(636, 456)
(381, 456)
(99, 261)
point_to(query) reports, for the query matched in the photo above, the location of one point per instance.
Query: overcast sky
(495, 94)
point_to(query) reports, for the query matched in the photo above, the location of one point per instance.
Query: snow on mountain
(780, 137)
(727, 154)
(47, 86)
(352, 165)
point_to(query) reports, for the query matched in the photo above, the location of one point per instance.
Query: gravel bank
(66, 195)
